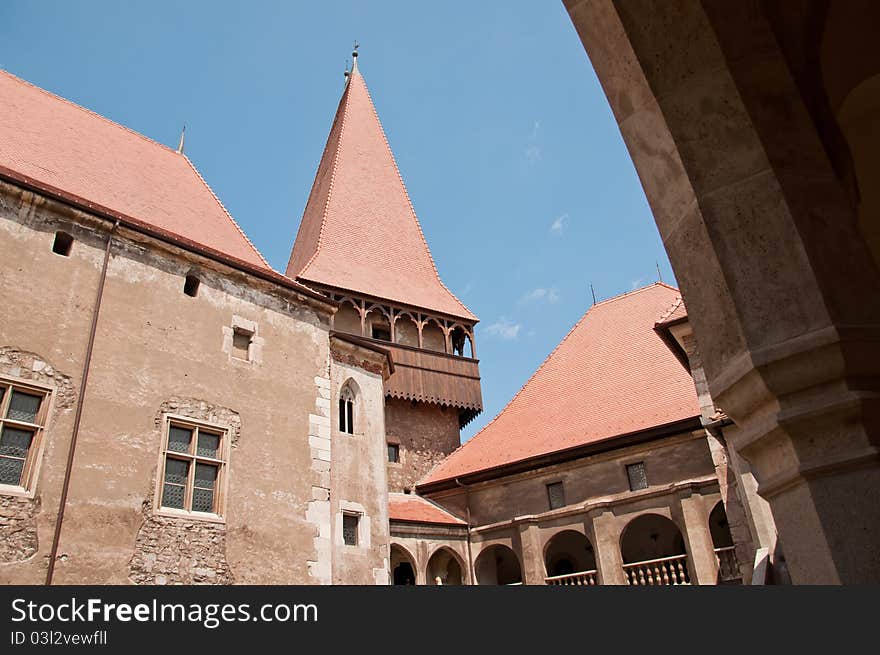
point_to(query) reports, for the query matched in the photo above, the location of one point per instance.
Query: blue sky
(511, 155)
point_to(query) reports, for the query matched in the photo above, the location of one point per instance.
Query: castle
(176, 411)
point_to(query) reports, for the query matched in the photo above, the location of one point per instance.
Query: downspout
(79, 404)
(467, 506)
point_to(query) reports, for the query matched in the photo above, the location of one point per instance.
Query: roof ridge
(678, 302)
(406, 194)
(87, 110)
(620, 296)
(333, 168)
(225, 211)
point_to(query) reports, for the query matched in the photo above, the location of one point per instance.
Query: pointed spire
(359, 231)
(182, 135)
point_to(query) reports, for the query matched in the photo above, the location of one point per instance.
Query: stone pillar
(606, 542)
(530, 550)
(781, 286)
(701, 553)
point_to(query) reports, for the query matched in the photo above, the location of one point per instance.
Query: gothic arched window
(346, 410)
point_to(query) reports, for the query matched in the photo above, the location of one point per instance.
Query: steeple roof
(359, 231)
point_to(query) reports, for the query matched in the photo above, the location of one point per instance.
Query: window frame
(346, 407)
(626, 469)
(554, 483)
(243, 332)
(357, 528)
(27, 486)
(222, 463)
(396, 446)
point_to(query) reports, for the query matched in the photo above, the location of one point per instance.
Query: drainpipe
(79, 404)
(467, 505)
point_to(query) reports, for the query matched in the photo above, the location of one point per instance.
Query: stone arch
(447, 565)
(406, 329)
(433, 335)
(719, 528)
(567, 552)
(498, 565)
(654, 547)
(348, 317)
(403, 566)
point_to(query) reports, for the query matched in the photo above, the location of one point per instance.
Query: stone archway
(653, 552)
(498, 565)
(723, 112)
(445, 567)
(403, 568)
(569, 559)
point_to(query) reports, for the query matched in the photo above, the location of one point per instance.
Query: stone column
(530, 550)
(780, 284)
(609, 562)
(701, 553)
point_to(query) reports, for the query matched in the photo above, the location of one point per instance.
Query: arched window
(346, 410)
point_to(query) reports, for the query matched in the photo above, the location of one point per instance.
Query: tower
(360, 243)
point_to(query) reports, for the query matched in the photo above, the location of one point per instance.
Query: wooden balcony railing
(728, 566)
(663, 571)
(580, 579)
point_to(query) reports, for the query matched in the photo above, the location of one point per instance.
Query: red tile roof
(611, 375)
(675, 312)
(415, 509)
(359, 231)
(59, 145)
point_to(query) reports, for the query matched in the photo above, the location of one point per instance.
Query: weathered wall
(426, 434)
(666, 461)
(154, 346)
(358, 483)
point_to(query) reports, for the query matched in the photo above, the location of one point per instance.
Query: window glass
(179, 439)
(23, 407)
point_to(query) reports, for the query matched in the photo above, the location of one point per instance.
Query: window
(381, 332)
(346, 411)
(637, 477)
(62, 244)
(22, 411)
(556, 495)
(194, 459)
(241, 344)
(191, 288)
(394, 452)
(350, 529)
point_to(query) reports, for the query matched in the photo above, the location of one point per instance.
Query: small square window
(350, 529)
(191, 286)
(638, 479)
(62, 244)
(556, 495)
(241, 344)
(394, 452)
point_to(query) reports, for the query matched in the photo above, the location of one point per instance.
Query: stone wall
(425, 433)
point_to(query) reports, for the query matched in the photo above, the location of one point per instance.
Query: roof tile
(611, 375)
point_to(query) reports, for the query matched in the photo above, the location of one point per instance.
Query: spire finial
(354, 56)
(182, 135)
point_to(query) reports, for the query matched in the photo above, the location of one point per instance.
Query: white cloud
(504, 328)
(559, 224)
(541, 294)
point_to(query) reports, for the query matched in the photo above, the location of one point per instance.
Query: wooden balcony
(434, 377)
(579, 579)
